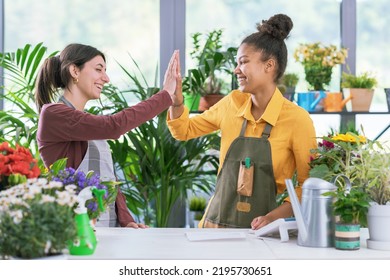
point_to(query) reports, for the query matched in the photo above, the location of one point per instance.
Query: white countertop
(173, 244)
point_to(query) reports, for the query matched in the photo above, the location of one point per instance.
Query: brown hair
(270, 40)
(55, 74)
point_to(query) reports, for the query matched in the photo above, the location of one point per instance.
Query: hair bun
(278, 26)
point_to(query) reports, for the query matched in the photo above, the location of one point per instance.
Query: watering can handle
(322, 94)
(346, 180)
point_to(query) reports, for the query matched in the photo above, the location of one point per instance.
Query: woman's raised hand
(172, 79)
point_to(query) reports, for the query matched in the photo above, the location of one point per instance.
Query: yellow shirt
(292, 135)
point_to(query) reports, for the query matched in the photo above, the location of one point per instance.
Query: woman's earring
(75, 80)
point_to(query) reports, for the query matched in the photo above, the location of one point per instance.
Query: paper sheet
(205, 236)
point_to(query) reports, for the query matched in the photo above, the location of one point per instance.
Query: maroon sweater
(63, 132)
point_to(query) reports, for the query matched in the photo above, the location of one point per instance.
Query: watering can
(334, 102)
(309, 101)
(314, 217)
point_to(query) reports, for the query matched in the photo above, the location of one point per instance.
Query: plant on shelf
(212, 64)
(318, 61)
(36, 219)
(361, 89)
(287, 85)
(365, 80)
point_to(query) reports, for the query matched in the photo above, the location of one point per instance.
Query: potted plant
(197, 207)
(374, 175)
(36, 219)
(212, 63)
(361, 89)
(350, 208)
(287, 85)
(367, 164)
(318, 61)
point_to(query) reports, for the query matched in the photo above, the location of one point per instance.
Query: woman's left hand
(136, 225)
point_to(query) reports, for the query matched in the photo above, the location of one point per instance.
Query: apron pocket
(245, 180)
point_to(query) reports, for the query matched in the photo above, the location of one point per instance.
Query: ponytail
(48, 81)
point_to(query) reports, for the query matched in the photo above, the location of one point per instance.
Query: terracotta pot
(361, 99)
(209, 100)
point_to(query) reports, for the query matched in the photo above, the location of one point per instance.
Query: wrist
(178, 104)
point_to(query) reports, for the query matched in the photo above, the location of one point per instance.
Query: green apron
(229, 208)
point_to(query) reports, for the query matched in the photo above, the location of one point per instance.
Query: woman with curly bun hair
(265, 138)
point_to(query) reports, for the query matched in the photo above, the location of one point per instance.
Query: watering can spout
(302, 226)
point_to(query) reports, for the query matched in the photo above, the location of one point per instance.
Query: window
(118, 28)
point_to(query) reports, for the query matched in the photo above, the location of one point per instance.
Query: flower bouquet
(36, 219)
(16, 165)
(69, 176)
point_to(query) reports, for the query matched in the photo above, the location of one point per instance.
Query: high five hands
(172, 80)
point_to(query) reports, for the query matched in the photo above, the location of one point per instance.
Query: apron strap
(243, 127)
(266, 132)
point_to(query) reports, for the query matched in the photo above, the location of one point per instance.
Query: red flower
(17, 161)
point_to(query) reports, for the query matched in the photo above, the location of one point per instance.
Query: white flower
(54, 185)
(71, 188)
(47, 198)
(65, 198)
(34, 189)
(17, 216)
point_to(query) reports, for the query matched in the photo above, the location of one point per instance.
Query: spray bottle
(85, 243)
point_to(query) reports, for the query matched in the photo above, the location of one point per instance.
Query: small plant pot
(191, 101)
(195, 217)
(347, 236)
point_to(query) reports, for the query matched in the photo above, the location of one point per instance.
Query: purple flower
(69, 176)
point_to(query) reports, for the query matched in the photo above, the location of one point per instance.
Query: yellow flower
(348, 137)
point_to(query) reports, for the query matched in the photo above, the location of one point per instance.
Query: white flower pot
(378, 219)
